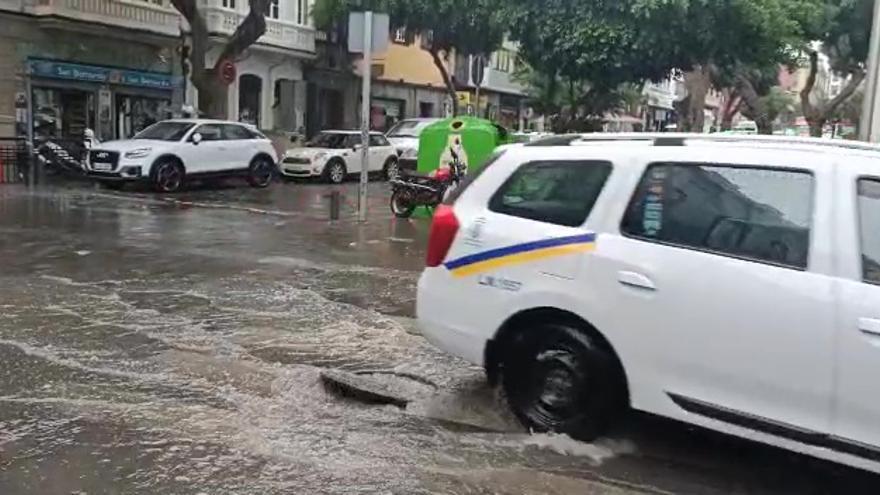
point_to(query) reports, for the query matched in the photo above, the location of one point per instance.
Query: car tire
(260, 172)
(334, 172)
(168, 176)
(391, 170)
(559, 378)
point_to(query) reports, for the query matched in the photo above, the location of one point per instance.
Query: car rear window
(557, 192)
(756, 213)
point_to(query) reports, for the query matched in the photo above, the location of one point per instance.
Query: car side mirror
(356, 147)
(196, 138)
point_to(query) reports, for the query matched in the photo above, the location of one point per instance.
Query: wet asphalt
(173, 344)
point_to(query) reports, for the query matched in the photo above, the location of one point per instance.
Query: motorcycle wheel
(401, 205)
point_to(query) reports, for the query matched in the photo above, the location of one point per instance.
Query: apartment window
(502, 61)
(753, 213)
(302, 12)
(274, 9)
(229, 4)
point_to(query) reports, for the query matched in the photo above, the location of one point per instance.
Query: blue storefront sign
(95, 73)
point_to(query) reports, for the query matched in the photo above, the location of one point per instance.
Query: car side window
(761, 214)
(376, 140)
(352, 140)
(210, 132)
(558, 192)
(869, 223)
(236, 132)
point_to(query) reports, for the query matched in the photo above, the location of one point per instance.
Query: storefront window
(385, 113)
(62, 113)
(136, 113)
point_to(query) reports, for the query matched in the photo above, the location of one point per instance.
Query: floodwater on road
(174, 344)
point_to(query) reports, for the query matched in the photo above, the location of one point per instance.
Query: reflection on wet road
(173, 345)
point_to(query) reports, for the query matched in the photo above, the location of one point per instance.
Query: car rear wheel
(401, 204)
(558, 378)
(168, 176)
(260, 172)
(335, 172)
(392, 170)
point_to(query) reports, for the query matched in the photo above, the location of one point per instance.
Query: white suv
(728, 282)
(169, 152)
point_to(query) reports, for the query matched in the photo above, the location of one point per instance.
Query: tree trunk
(817, 127)
(447, 79)
(213, 92)
(697, 82)
(764, 126)
(213, 95)
(732, 104)
(755, 106)
(818, 114)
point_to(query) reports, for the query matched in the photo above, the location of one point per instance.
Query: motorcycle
(411, 189)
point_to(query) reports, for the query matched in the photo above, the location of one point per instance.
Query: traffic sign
(381, 26)
(228, 72)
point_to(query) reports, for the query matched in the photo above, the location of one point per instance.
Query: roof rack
(682, 139)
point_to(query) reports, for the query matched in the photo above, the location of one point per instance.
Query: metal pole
(365, 116)
(479, 82)
(869, 127)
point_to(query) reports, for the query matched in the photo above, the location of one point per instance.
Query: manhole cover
(379, 387)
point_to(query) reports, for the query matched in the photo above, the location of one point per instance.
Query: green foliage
(585, 40)
(469, 27)
(847, 33)
(729, 33)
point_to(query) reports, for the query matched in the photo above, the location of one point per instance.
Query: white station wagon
(729, 282)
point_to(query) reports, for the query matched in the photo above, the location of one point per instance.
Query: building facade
(406, 82)
(269, 89)
(68, 65)
(502, 98)
(114, 66)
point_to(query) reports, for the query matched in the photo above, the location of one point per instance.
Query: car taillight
(443, 231)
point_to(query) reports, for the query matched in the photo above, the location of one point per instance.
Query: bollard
(334, 205)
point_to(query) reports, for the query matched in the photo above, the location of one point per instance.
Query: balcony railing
(156, 17)
(279, 33)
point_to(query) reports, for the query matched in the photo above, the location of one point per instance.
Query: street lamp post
(869, 127)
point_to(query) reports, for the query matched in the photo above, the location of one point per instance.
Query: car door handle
(633, 279)
(870, 326)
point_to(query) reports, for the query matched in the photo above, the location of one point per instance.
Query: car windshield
(330, 140)
(165, 131)
(408, 128)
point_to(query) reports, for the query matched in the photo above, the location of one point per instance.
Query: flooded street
(153, 344)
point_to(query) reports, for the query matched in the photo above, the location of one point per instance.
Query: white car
(404, 136)
(169, 152)
(333, 155)
(730, 282)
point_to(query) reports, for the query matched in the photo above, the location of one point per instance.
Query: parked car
(169, 153)
(333, 155)
(404, 136)
(730, 282)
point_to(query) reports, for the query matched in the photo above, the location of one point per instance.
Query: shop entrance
(63, 113)
(250, 98)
